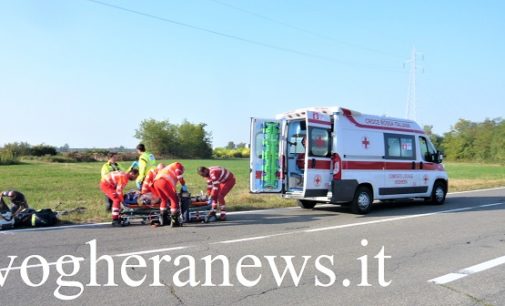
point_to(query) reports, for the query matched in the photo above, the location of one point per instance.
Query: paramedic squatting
(247, 271)
(219, 182)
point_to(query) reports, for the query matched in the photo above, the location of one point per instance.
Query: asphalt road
(399, 254)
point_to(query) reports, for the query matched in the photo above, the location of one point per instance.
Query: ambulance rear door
(265, 160)
(317, 178)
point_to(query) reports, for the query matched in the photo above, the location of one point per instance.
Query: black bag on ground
(36, 218)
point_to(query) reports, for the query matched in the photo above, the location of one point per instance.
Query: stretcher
(145, 209)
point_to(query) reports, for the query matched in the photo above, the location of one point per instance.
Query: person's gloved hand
(139, 185)
(184, 188)
(209, 202)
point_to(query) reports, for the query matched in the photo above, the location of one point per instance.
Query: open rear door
(318, 145)
(265, 160)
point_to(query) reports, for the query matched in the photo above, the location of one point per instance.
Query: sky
(86, 73)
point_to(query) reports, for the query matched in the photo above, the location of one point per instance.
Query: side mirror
(439, 157)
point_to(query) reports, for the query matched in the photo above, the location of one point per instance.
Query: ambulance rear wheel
(306, 204)
(438, 194)
(362, 202)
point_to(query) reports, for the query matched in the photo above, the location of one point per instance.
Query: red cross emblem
(319, 142)
(425, 178)
(317, 180)
(365, 142)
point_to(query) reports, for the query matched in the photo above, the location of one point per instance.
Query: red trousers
(110, 192)
(166, 192)
(224, 188)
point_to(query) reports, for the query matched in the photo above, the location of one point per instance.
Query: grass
(67, 186)
(469, 176)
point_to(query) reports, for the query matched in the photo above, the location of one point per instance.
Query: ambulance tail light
(337, 166)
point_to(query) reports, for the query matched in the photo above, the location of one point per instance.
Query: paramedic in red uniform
(148, 184)
(219, 182)
(165, 184)
(112, 185)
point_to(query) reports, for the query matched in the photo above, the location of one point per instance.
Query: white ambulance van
(339, 156)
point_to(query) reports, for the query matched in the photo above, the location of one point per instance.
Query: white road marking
(468, 271)
(476, 190)
(398, 218)
(293, 232)
(356, 224)
(253, 238)
(152, 251)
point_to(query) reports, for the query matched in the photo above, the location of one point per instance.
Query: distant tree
(483, 140)
(186, 140)
(241, 145)
(18, 149)
(497, 148)
(159, 137)
(435, 139)
(65, 148)
(230, 145)
(42, 150)
(194, 140)
(459, 142)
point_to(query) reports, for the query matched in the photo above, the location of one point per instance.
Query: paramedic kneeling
(219, 182)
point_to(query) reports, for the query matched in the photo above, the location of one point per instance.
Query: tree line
(466, 141)
(472, 141)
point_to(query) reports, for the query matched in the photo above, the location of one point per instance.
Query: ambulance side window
(425, 154)
(399, 146)
(427, 151)
(259, 145)
(320, 145)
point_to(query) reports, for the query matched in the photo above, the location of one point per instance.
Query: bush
(7, 157)
(224, 153)
(18, 149)
(42, 150)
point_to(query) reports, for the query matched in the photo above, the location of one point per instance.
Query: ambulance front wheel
(438, 194)
(362, 202)
(306, 204)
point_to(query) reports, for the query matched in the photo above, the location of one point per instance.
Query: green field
(69, 186)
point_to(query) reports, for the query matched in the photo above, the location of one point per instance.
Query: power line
(235, 37)
(313, 33)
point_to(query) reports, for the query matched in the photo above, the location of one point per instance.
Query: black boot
(164, 219)
(175, 218)
(116, 222)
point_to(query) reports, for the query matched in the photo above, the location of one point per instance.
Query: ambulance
(339, 156)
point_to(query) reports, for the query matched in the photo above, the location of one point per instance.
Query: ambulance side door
(317, 171)
(427, 165)
(265, 164)
(400, 174)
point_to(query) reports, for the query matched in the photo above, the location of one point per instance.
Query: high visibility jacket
(109, 167)
(217, 176)
(116, 180)
(173, 173)
(148, 183)
(146, 163)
